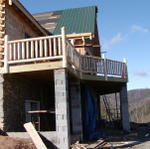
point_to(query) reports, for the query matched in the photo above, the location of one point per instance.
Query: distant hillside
(139, 105)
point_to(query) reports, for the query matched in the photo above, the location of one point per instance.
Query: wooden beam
(79, 35)
(34, 136)
(41, 111)
(102, 78)
(34, 67)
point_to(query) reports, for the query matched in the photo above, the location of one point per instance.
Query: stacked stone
(2, 29)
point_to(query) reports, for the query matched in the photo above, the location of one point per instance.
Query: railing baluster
(45, 48)
(36, 49)
(10, 51)
(59, 46)
(41, 48)
(27, 49)
(32, 49)
(23, 50)
(54, 46)
(50, 47)
(18, 51)
(116, 68)
(15, 51)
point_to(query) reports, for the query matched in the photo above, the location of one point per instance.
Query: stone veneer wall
(16, 90)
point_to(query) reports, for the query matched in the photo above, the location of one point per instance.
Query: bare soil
(139, 138)
(11, 143)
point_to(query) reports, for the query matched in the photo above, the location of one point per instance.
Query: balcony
(54, 52)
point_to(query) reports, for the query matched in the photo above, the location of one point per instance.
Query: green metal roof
(77, 20)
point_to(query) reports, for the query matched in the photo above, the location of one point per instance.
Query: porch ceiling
(42, 77)
(104, 87)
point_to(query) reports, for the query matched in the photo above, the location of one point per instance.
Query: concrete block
(61, 108)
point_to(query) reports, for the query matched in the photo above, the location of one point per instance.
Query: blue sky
(124, 28)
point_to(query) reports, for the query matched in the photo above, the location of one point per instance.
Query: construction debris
(96, 145)
(34, 136)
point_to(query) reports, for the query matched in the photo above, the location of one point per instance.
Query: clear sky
(124, 28)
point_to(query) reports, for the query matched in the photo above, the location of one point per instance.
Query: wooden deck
(54, 52)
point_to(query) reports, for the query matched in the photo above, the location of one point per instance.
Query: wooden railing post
(105, 66)
(64, 47)
(6, 54)
(125, 71)
(10, 2)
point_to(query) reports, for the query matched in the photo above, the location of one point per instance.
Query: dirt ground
(138, 138)
(11, 143)
(145, 145)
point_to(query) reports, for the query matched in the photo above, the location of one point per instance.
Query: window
(31, 105)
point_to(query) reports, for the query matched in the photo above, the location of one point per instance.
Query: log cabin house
(52, 73)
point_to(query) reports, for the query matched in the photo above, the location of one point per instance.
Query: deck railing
(73, 56)
(49, 48)
(35, 49)
(105, 67)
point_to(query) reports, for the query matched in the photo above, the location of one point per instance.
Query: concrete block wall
(76, 114)
(62, 108)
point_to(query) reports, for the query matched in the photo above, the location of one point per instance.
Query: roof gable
(75, 20)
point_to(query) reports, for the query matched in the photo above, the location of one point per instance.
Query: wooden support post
(62, 108)
(125, 71)
(124, 108)
(10, 2)
(6, 54)
(105, 66)
(64, 52)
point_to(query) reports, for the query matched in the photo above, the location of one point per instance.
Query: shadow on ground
(48, 143)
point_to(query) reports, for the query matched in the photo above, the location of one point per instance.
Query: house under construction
(52, 73)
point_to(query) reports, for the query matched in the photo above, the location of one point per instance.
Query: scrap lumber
(77, 145)
(34, 136)
(99, 144)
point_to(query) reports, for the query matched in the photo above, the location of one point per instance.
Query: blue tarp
(89, 116)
